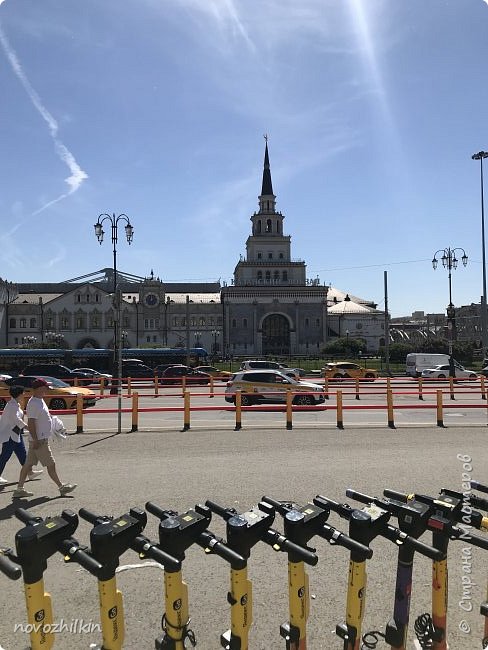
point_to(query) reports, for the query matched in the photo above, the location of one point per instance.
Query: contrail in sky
(77, 174)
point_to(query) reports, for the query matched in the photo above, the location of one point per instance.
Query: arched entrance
(276, 335)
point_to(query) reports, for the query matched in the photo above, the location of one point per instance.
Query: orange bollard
(420, 388)
(183, 386)
(79, 413)
(156, 386)
(135, 411)
(186, 406)
(357, 387)
(389, 404)
(326, 388)
(102, 386)
(440, 421)
(238, 426)
(483, 392)
(211, 394)
(289, 410)
(340, 421)
(451, 386)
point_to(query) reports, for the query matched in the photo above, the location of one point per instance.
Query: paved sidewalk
(178, 470)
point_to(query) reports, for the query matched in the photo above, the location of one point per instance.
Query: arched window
(260, 277)
(176, 322)
(33, 323)
(268, 225)
(193, 321)
(270, 256)
(244, 322)
(13, 323)
(278, 227)
(307, 322)
(234, 322)
(78, 297)
(23, 323)
(259, 225)
(276, 276)
(284, 276)
(317, 322)
(281, 256)
(260, 255)
(201, 322)
(268, 276)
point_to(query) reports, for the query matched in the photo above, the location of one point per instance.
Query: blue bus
(14, 360)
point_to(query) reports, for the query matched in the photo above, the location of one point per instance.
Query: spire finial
(265, 136)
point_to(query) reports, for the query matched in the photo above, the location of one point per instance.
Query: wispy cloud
(77, 175)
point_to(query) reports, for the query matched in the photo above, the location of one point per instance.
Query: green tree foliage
(344, 346)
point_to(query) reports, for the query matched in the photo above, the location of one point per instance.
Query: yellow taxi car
(59, 395)
(348, 370)
(271, 386)
(214, 372)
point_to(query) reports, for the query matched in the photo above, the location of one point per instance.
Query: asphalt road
(178, 470)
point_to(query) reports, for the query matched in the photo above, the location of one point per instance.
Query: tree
(344, 346)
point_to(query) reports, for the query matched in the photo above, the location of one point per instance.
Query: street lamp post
(197, 339)
(484, 318)
(449, 262)
(129, 233)
(215, 334)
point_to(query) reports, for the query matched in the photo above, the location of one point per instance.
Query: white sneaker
(34, 473)
(21, 492)
(3, 480)
(66, 488)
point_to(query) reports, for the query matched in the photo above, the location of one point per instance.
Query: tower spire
(267, 186)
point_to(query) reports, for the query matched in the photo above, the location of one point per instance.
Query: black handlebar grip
(88, 562)
(480, 542)
(143, 545)
(479, 502)
(307, 556)
(25, 516)
(89, 516)
(479, 486)
(217, 546)
(156, 510)
(9, 568)
(359, 496)
(398, 496)
(219, 510)
(277, 505)
(335, 536)
(425, 549)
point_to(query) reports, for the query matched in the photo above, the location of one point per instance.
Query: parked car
(59, 395)
(214, 372)
(271, 385)
(159, 369)
(442, 371)
(484, 371)
(94, 374)
(175, 374)
(346, 370)
(136, 369)
(59, 371)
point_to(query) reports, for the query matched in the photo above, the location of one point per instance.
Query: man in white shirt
(40, 430)
(11, 426)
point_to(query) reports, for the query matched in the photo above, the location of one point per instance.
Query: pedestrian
(11, 429)
(39, 423)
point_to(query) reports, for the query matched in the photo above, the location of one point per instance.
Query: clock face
(151, 300)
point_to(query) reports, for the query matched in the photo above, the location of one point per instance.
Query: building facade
(270, 307)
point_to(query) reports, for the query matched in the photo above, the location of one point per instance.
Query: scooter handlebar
(280, 543)
(212, 544)
(144, 546)
(225, 513)
(90, 516)
(157, 511)
(25, 516)
(9, 568)
(71, 548)
(425, 549)
(279, 506)
(335, 536)
(476, 485)
(398, 496)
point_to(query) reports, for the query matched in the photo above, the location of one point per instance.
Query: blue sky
(157, 108)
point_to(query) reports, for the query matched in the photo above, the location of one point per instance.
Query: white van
(418, 361)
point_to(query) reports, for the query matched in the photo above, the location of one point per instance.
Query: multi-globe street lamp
(449, 262)
(484, 317)
(114, 221)
(215, 334)
(197, 339)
